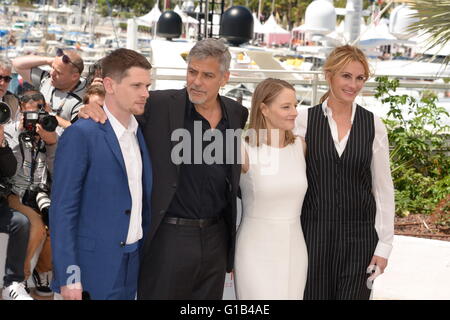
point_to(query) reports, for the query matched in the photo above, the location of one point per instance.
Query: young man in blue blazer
(102, 184)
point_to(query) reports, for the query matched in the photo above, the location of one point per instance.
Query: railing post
(154, 77)
(314, 89)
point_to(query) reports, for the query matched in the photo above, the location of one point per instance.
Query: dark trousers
(125, 286)
(185, 262)
(18, 227)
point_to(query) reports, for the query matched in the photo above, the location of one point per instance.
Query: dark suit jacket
(164, 113)
(8, 162)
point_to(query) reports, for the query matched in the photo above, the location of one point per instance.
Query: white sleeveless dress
(271, 258)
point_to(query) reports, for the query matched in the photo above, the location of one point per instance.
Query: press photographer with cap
(32, 138)
(63, 87)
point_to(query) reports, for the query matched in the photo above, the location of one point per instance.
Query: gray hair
(214, 48)
(5, 63)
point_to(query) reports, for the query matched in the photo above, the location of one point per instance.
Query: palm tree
(434, 17)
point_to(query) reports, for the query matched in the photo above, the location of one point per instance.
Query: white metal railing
(305, 78)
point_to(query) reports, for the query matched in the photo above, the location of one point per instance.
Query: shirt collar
(118, 128)
(191, 108)
(327, 111)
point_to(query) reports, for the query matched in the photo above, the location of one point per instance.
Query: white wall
(3, 244)
(418, 269)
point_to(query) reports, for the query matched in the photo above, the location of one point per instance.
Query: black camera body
(31, 118)
(37, 197)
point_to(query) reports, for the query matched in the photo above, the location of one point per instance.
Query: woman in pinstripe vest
(348, 211)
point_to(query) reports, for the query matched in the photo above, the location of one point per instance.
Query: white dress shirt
(382, 186)
(133, 164)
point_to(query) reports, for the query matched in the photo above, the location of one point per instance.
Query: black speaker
(169, 25)
(236, 25)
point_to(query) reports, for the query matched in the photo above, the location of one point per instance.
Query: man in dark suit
(101, 190)
(190, 245)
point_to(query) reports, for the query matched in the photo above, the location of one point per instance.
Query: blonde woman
(271, 258)
(348, 212)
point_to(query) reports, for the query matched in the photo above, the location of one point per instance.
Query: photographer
(16, 225)
(5, 79)
(94, 76)
(34, 149)
(63, 87)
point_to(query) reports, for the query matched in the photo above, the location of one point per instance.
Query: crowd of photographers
(31, 120)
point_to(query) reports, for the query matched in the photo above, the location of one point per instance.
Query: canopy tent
(47, 8)
(189, 23)
(316, 30)
(257, 26)
(376, 35)
(273, 33)
(151, 18)
(184, 17)
(65, 9)
(271, 26)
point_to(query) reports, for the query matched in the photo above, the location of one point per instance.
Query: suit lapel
(113, 143)
(232, 119)
(177, 108)
(147, 181)
(146, 167)
(234, 123)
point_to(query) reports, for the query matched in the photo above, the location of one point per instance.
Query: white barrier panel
(228, 291)
(418, 269)
(3, 245)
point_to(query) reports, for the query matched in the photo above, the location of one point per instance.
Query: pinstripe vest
(339, 188)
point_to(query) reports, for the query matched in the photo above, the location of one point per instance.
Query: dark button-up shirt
(203, 188)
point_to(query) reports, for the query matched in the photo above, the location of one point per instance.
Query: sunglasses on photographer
(35, 97)
(5, 78)
(65, 58)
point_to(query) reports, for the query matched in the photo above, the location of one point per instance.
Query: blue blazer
(90, 209)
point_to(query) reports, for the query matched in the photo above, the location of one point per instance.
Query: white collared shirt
(382, 186)
(133, 164)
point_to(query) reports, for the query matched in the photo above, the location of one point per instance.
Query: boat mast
(92, 18)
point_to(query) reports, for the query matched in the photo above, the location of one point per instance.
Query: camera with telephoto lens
(31, 118)
(37, 197)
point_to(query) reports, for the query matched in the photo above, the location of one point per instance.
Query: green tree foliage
(293, 10)
(434, 17)
(419, 148)
(25, 3)
(136, 7)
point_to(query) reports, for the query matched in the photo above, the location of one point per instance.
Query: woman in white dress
(271, 258)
